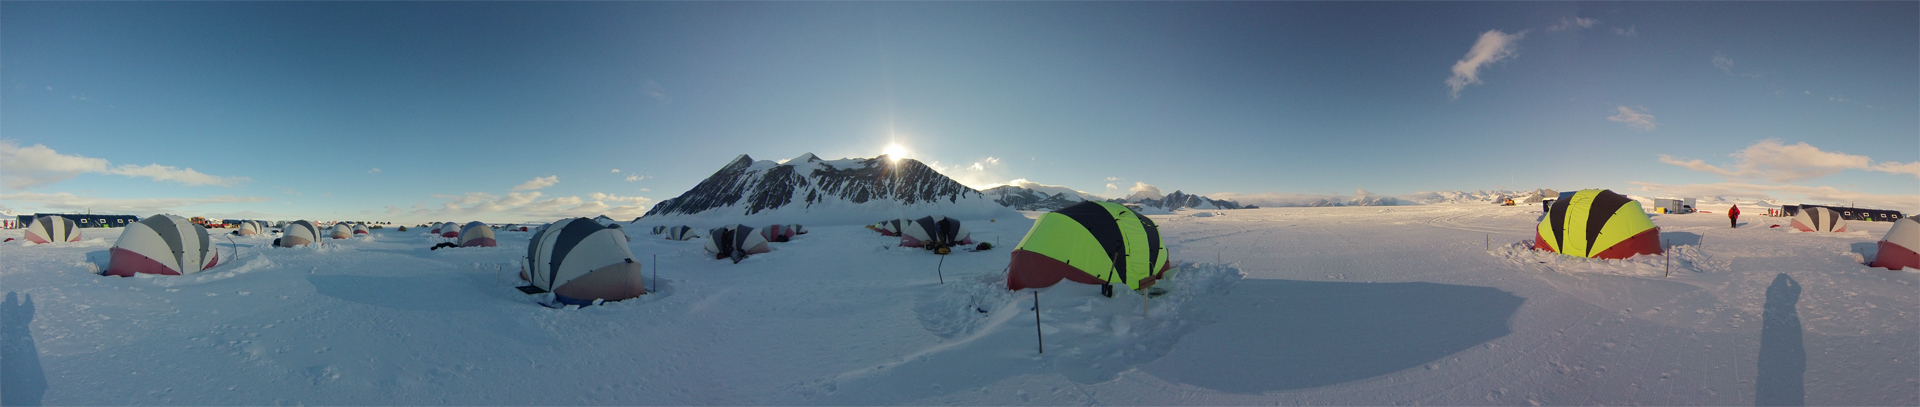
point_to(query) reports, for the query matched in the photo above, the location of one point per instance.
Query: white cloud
(1630, 31)
(1112, 187)
(637, 177)
(68, 202)
(1786, 193)
(1638, 118)
(374, 171)
(1912, 168)
(653, 90)
(1576, 22)
(1720, 60)
(981, 174)
(1778, 162)
(22, 167)
(630, 200)
(469, 199)
(1142, 189)
(1493, 46)
(1112, 179)
(538, 183)
(616, 170)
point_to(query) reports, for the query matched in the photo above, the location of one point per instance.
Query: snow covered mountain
(1177, 200)
(1032, 196)
(809, 190)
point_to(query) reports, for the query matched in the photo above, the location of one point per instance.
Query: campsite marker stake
(1037, 337)
(1668, 252)
(942, 274)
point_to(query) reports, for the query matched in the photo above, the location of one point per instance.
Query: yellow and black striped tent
(1600, 224)
(1092, 243)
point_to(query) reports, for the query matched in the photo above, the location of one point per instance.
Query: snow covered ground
(1347, 305)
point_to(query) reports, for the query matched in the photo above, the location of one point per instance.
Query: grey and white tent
(935, 232)
(53, 229)
(1819, 219)
(162, 244)
(682, 232)
(476, 234)
(249, 228)
(580, 261)
(340, 231)
(735, 242)
(361, 229)
(299, 233)
(659, 229)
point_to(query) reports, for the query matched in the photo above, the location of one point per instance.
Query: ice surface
(1429, 304)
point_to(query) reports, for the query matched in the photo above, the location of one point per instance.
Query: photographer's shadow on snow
(1783, 354)
(22, 380)
(1287, 334)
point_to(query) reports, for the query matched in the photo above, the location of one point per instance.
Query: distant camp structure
(780, 232)
(1898, 249)
(162, 244)
(83, 220)
(735, 242)
(361, 229)
(682, 232)
(1818, 219)
(340, 231)
(249, 228)
(934, 233)
(53, 229)
(1849, 213)
(1597, 223)
(1099, 243)
(298, 233)
(476, 234)
(579, 261)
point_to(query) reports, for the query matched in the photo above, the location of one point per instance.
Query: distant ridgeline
(807, 189)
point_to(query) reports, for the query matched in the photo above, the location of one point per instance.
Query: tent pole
(942, 274)
(1667, 252)
(1037, 337)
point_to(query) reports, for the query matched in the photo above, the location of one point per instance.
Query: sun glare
(895, 152)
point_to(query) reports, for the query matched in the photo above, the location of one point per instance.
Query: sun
(895, 152)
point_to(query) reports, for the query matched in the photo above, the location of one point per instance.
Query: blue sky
(521, 111)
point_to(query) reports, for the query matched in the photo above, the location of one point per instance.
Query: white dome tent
(298, 233)
(164, 245)
(477, 234)
(53, 229)
(580, 261)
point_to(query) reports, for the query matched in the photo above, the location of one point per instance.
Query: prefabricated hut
(476, 234)
(934, 232)
(1819, 219)
(1597, 223)
(736, 242)
(298, 233)
(162, 244)
(1082, 242)
(682, 232)
(1900, 248)
(53, 229)
(580, 261)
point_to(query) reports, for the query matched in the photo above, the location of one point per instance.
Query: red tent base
(1894, 257)
(126, 263)
(1647, 242)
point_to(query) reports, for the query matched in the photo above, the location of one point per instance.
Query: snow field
(1353, 305)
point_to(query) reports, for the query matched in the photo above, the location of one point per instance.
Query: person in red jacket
(1733, 216)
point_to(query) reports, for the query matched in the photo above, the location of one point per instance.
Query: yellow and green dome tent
(1082, 243)
(1597, 223)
